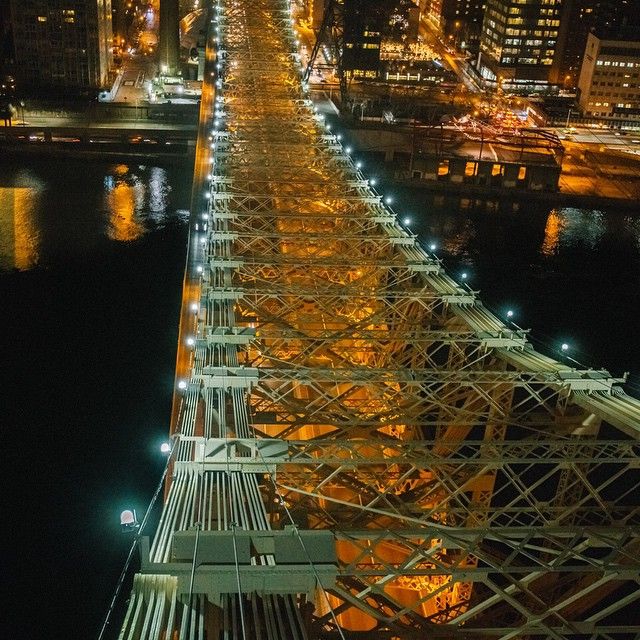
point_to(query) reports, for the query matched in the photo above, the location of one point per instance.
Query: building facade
(608, 19)
(169, 51)
(62, 44)
(432, 11)
(370, 24)
(609, 81)
(519, 43)
(462, 22)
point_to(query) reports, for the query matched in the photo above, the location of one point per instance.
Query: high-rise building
(610, 79)
(462, 22)
(608, 19)
(6, 47)
(519, 43)
(369, 23)
(169, 35)
(65, 44)
(119, 18)
(431, 10)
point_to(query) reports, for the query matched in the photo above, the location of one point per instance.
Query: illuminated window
(497, 170)
(443, 168)
(471, 169)
(42, 18)
(522, 173)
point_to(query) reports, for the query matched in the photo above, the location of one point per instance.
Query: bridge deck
(342, 382)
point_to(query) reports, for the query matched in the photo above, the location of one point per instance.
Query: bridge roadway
(362, 450)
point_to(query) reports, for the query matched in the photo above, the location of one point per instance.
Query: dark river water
(91, 261)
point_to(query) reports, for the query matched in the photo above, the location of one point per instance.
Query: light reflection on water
(121, 202)
(573, 227)
(571, 274)
(49, 212)
(133, 199)
(19, 232)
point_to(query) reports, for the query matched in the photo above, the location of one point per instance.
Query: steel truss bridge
(362, 449)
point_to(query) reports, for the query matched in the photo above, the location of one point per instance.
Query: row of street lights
(407, 221)
(388, 200)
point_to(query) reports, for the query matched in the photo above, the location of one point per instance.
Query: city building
(609, 81)
(519, 43)
(6, 41)
(63, 44)
(432, 11)
(119, 21)
(608, 19)
(461, 22)
(169, 36)
(368, 25)
(363, 28)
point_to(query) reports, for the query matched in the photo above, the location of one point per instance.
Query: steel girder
(341, 380)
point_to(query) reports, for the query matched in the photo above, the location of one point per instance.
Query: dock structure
(361, 449)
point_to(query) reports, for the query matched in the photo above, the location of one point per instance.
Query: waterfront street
(78, 121)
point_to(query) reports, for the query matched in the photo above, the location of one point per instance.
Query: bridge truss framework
(363, 450)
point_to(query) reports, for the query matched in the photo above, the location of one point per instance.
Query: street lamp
(129, 520)
(22, 107)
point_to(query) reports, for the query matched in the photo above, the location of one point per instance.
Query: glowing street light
(165, 447)
(433, 246)
(182, 385)
(509, 313)
(564, 346)
(129, 520)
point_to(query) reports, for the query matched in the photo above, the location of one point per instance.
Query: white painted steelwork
(341, 380)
